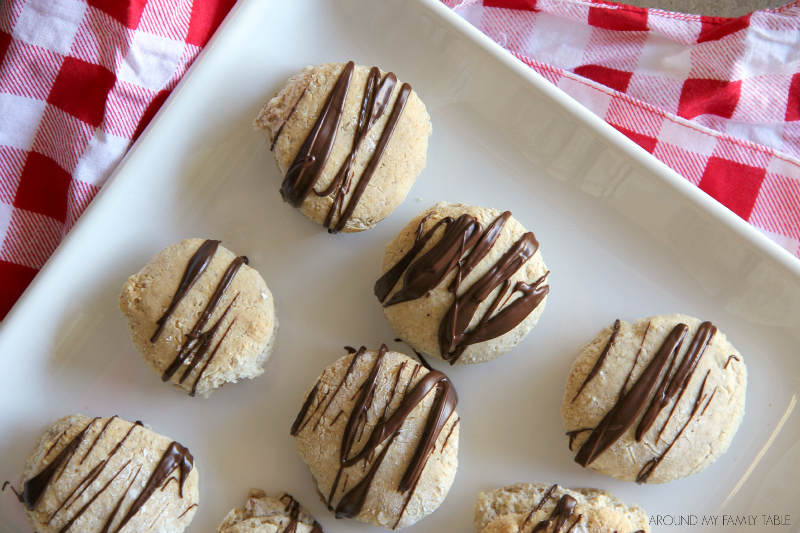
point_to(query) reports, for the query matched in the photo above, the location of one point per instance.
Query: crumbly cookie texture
(265, 514)
(289, 117)
(106, 474)
(672, 415)
(523, 507)
(379, 407)
(418, 321)
(200, 353)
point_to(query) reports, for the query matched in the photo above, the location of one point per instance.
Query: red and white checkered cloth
(79, 81)
(718, 100)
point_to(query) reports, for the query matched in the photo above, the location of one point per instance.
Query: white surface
(623, 236)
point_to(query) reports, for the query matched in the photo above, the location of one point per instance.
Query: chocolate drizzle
(194, 269)
(176, 456)
(385, 429)
(678, 381)
(732, 356)
(600, 360)
(293, 510)
(309, 163)
(649, 467)
(562, 512)
(539, 506)
(651, 393)
(428, 271)
(198, 342)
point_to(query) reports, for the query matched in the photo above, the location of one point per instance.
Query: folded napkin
(718, 100)
(715, 99)
(79, 81)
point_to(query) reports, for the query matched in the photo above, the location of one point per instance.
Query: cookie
(200, 317)
(263, 514)
(527, 507)
(379, 433)
(463, 283)
(349, 140)
(94, 475)
(654, 401)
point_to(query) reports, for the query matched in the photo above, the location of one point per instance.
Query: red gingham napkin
(79, 81)
(716, 99)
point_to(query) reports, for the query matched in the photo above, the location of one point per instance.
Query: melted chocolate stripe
(733, 356)
(85, 483)
(649, 467)
(380, 147)
(280, 128)
(444, 405)
(310, 160)
(34, 488)
(56, 441)
(194, 269)
(96, 439)
(213, 353)
(491, 327)
(116, 508)
(386, 282)
(304, 409)
(351, 503)
(376, 97)
(194, 337)
(385, 429)
(627, 409)
(296, 427)
(359, 412)
(575, 523)
(622, 390)
(424, 274)
(482, 247)
(204, 343)
(563, 511)
(680, 379)
(93, 498)
(193, 506)
(454, 324)
(600, 360)
(428, 271)
(176, 456)
(536, 509)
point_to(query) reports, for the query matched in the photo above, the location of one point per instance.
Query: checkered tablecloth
(718, 100)
(79, 81)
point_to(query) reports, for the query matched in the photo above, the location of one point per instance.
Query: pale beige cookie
(264, 514)
(220, 330)
(385, 162)
(523, 507)
(509, 282)
(105, 474)
(636, 412)
(361, 429)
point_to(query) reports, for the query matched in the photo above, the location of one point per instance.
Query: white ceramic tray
(623, 236)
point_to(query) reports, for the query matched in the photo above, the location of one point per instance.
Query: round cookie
(637, 412)
(105, 474)
(349, 140)
(523, 507)
(501, 285)
(263, 514)
(347, 433)
(200, 317)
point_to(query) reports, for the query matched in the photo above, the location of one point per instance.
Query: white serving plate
(623, 236)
